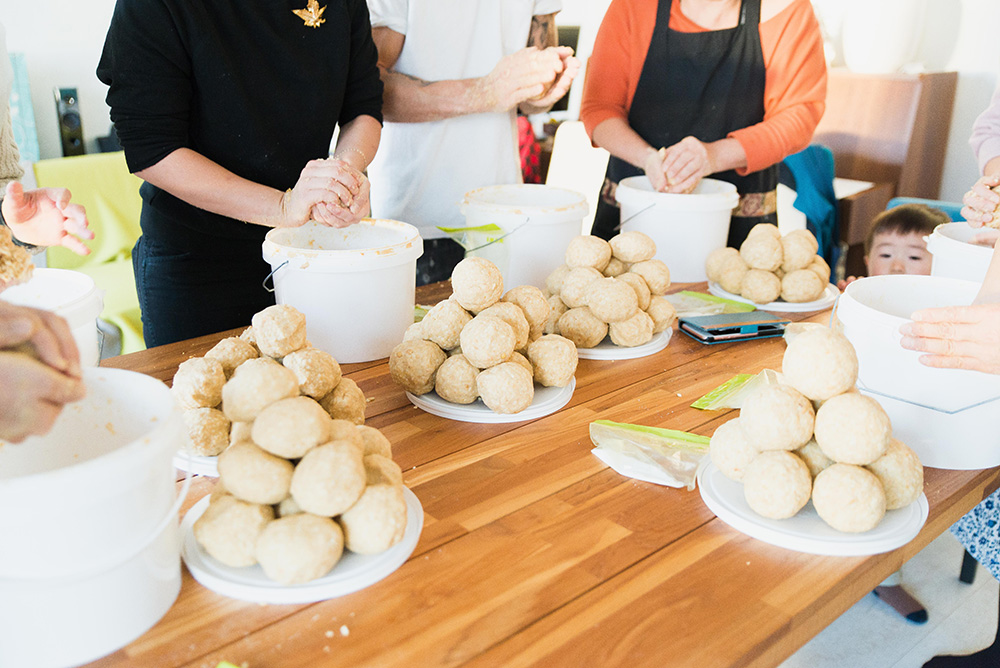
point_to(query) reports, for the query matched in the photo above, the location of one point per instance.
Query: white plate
(352, 573)
(806, 532)
(606, 350)
(830, 295)
(197, 464)
(547, 401)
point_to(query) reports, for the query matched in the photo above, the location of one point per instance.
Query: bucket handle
(637, 213)
(271, 275)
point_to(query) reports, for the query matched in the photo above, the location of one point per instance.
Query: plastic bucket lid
(526, 202)
(367, 245)
(708, 195)
(71, 294)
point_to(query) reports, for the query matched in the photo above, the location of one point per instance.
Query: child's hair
(906, 219)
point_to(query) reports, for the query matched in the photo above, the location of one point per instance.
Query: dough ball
(198, 383)
(240, 431)
(901, 474)
(412, 364)
(476, 283)
(506, 388)
(444, 322)
(513, 316)
(760, 287)
(251, 474)
(487, 341)
(554, 360)
(766, 229)
(730, 450)
(638, 284)
(717, 259)
(554, 281)
(346, 430)
(575, 285)
(291, 427)
(256, 384)
(588, 251)
(849, 498)
(814, 457)
(611, 300)
(535, 306)
(615, 268)
(207, 431)
(776, 484)
(852, 429)
(279, 330)
(232, 352)
(655, 273)
(582, 327)
(518, 358)
(797, 251)
(414, 332)
(557, 308)
(250, 337)
(229, 527)
(299, 548)
(377, 521)
(762, 251)
(456, 380)
(802, 285)
(635, 331)
(631, 247)
(821, 268)
(662, 312)
(375, 442)
(316, 370)
(820, 363)
(329, 479)
(287, 507)
(346, 402)
(381, 470)
(777, 417)
(732, 269)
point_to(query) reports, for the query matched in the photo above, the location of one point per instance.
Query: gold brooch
(312, 14)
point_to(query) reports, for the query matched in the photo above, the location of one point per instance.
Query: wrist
(353, 156)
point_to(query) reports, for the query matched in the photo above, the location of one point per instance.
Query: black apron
(706, 85)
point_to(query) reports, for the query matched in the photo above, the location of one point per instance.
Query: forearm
(409, 99)
(989, 292)
(726, 154)
(620, 140)
(358, 141)
(992, 167)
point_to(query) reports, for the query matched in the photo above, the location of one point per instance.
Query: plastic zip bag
(688, 303)
(734, 391)
(670, 457)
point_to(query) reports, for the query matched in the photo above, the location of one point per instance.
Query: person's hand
(45, 217)
(987, 237)
(685, 163)
(522, 75)
(979, 203)
(845, 282)
(655, 171)
(956, 337)
(559, 88)
(338, 215)
(328, 181)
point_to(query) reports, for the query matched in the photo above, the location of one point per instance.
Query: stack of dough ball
(609, 288)
(485, 344)
(768, 267)
(844, 452)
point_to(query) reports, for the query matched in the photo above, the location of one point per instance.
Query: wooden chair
(577, 165)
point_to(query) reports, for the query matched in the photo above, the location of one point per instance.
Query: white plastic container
(950, 417)
(72, 295)
(536, 223)
(89, 544)
(355, 285)
(685, 227)
(954, 256)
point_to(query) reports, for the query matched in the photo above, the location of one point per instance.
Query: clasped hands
(678, 168)
(329, 191)
(531, 78)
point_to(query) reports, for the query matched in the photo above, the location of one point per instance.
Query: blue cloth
(812, 169)
(979, 532)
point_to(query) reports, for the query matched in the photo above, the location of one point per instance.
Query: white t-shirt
(423, 170)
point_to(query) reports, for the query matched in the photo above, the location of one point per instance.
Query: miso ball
(456, 380)
(730, 450)
(632, 246)
(232, 352)
(615, 268)
(554, 281)
(575, 285)
(413, 364)
(287, 507)
(849, 498)
(777, 417)
(533, 304)
(655, 273)
(852, 429)
(801, 286)
(198, 383)
(316, 370)
(635, 331)
(762, 251)
(229, 527)
(476, 283)
(662, 312)
(820, 363)
(299, 548)
(487, 341)
(513, 316)
(254, 475)
(556, 308)
(518, 358)
(255, 385)
(731, 272)
(582, 327)
(329, 479)
(717, 259)
(611, 300)
(776, 484)
(554, 360)
(444, 322)
(414, 332)
(346, 430)
(901, 474)
(346, 402)
(814, 457)
(765, 228)
(760, 287)
(588, 251)
(375, 442)
(377, 521)
(821, 268)
(381, 470)
(797, 250)
(638, 284)
(240, 431)
(279, 330)
(506, 388)
(291, 427)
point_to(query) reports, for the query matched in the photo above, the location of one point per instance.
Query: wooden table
(534, 553)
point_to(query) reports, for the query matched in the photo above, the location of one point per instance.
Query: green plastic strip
(731, 306)
(708, 401)
(482, 228)
(679, 436)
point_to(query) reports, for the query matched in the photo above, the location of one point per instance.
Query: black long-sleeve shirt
(246, 83)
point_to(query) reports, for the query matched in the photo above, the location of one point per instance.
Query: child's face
(894, 253)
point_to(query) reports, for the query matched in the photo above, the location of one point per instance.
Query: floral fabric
(979, 532)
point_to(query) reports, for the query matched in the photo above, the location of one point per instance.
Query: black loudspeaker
(70, 123)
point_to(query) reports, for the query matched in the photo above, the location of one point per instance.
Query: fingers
(923, 319)
(34, 394)
(15, 330)
(48, 334)
(980, 202)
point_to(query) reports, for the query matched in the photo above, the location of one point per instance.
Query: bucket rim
(72, 307)
(940, 236)
(726, 198)
(408, 248)
(578, 207)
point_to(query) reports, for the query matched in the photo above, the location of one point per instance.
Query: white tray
(806, 532)
(606, 350)
(352, 573)
(547, 400)
(829, 296)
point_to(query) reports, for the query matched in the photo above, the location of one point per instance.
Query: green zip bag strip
(679, 454)
(729, 305)
(734, 391)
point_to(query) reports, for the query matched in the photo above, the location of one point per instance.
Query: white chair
(577, 165)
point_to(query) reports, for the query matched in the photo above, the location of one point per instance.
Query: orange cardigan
(794, 89)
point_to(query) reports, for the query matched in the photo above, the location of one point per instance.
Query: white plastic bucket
(355, 285)
(72, 295)
(685, 227)
(950, 417)
(89, 544)
(536, 223)
(954, 254)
